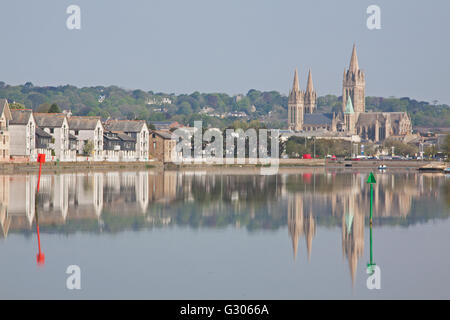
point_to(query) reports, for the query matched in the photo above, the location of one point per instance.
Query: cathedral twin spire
(309, 96)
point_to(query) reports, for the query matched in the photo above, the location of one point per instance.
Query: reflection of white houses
(5, 218)
(22, 128)
(86, 196)
(54, 198)
(126, 192)
(142, 190)
(21, 198)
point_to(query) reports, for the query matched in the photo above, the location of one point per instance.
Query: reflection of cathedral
(352, 119)
(352, 235)
(347, 199)
(298, 225)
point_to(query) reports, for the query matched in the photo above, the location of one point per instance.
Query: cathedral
(352, 119)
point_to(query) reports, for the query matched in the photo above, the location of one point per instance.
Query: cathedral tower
(296, 106)
(354, 85)
(310, 95)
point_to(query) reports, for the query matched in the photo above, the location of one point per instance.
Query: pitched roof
(4, 107)
(41, 133)
(318, 118)
(163, 134)
(83, 123)
(49, 120)
(125, 137)
(20, 116)
(125, 125)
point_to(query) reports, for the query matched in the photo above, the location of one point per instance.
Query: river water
(300, 234)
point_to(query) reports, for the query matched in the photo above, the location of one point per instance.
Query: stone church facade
(353, 118)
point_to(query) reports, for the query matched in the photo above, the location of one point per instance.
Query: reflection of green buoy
(371, 265)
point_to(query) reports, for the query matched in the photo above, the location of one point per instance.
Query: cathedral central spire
(354, 66)
(354, 85)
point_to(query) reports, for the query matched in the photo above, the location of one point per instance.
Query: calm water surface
(230, 235)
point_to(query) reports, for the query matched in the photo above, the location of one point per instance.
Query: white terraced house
(57, 126)
(87, 129)
(5, 117)
(22, 128)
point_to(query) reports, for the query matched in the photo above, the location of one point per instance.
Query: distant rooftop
(125, 125)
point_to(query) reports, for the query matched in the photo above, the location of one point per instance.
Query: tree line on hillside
(269, 107)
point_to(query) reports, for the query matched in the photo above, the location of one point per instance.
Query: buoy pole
(40, 256)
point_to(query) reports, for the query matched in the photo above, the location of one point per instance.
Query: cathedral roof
(318, 118)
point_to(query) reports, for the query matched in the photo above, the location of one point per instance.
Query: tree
(54, 109)
(446, 146)
(400, 148)
(43, 108)
(16, 105)
(88, 147)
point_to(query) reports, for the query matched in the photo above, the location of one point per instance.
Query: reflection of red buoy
(40, 257)
(307, 178)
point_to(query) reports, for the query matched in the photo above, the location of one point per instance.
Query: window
(52, 130)
(77, 132)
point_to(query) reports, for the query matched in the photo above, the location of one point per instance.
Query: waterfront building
(118, 146)
(162, 147)
(5, 118)
(22, 128)
(135, 129)
(43, 141)
(57, 126)
(87, 129)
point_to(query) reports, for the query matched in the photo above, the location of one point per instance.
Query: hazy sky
(228, 46)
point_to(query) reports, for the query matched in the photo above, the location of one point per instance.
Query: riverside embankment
(56, 167)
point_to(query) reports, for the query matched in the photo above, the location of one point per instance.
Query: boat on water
(382, 167)
(433, 167)
(447, 170)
